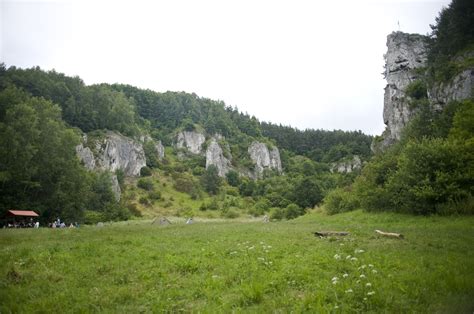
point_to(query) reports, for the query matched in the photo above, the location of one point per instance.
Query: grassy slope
(221, 266)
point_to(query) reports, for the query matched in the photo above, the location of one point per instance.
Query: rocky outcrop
(215, 156)
(160, 150)
(264, 159)
(192, 141)
(86, 156)
(405, 53)
(113, 152)
(347, 166)
(459, 88)
(116, 188)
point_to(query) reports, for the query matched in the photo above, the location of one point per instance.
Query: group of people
(22, 224)
(61, 224)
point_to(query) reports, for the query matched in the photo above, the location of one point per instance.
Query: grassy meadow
(243, 266)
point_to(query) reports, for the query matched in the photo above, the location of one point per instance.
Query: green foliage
(233, 178)
(186, 183)
(340, 200)
(292, 211)
(319, 145)
(145, 171)
(151, 154)
(416, 90)
(431, 173)
(307, 192)
(38, 166)
(427, 172)
(452, 33)
(87, 107)
(146, 184)
(210, 180)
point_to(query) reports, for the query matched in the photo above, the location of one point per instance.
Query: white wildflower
(370, 265)
(359, 251)
(374, 271)
(371, 293)
(336, 306)
(365, 299)
(348, 256)
(362, 276)
(233, 252)
(368, 284)
(251, 248)
(362, 267)
(334, 279)
(260, 258)
(349, 291)
(337, 256)
(345, 275)
(354, 259)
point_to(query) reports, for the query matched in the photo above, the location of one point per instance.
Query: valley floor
(243, 266)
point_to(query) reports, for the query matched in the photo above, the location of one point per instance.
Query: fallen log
(323, 234)
(390, 234)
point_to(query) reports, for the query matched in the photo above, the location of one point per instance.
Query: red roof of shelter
(28, 213)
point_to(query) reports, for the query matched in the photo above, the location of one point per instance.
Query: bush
(145, 171)
(339, 201)
(278, 213)
(292, 211)
(231, 214)
(146, 184)
(416, 90)
(154, 195)
(144, 201)
(133, 209)
(92, 217)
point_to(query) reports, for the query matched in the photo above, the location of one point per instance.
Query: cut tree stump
(390, 234)
(323, 234)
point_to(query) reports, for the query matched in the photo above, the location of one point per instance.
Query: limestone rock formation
(405, 53)
(459, 88)
(264, 159)
(120, 152)
(86, 156)
(190, 140)
(215, 156)
(160, 150)
(347, 166)
(116, 188)
(114, 152)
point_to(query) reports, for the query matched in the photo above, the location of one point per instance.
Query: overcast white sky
(304, 63)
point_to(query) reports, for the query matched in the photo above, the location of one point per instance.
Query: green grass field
(243, 266)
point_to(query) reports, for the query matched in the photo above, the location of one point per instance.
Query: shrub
(278, 213)
(292, 211)
(144, 201)
(231, 214)
(154, 195)
(146, 184)
(416, 90)
(93, 217)
(133, 209)
(145, 171)
(339, 201)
